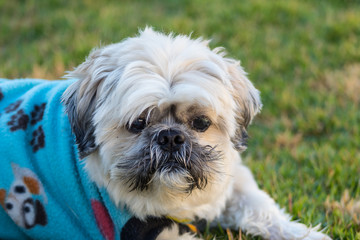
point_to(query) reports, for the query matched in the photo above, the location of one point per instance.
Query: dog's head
(159, 116)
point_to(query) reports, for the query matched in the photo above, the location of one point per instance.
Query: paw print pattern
(13, 107)
(1, 95)
(18, 121)
(38, 113)
(38, 140)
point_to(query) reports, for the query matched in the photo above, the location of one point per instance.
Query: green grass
(304, 56)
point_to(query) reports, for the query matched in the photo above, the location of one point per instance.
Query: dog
(159, 123)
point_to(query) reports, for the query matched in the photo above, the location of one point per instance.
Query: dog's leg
(252, 210)
(174, 233)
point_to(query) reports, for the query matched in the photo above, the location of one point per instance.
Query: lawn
(304, 57)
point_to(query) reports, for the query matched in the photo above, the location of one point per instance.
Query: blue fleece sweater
(44, 191)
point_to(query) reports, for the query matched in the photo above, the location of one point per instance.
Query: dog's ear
(80, 99)
(247, 99)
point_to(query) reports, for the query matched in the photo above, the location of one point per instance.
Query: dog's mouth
(183, 171)
(172, 166)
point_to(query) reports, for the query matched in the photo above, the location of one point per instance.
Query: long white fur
(173, 234)
(154, 71)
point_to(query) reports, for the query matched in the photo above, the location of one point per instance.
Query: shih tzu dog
(159, 121)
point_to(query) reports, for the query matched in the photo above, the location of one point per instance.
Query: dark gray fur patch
(150, 228)
(192, 159)
(82, 126)
(240, 139)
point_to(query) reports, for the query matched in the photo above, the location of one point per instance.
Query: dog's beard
(186, 169)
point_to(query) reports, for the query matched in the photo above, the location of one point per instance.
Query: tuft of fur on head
(167, 80)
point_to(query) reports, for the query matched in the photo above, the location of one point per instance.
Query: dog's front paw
(174, 233)
(156, 228)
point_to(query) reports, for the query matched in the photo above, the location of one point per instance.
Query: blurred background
(304, 57)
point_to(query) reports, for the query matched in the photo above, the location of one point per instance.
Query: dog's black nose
(170, 140)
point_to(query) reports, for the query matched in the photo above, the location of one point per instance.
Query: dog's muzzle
(168, 152)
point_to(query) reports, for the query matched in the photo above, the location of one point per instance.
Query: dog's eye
(138, 125)
(201, 123)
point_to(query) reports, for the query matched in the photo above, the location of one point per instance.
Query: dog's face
(158, 118)
(168, 147)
